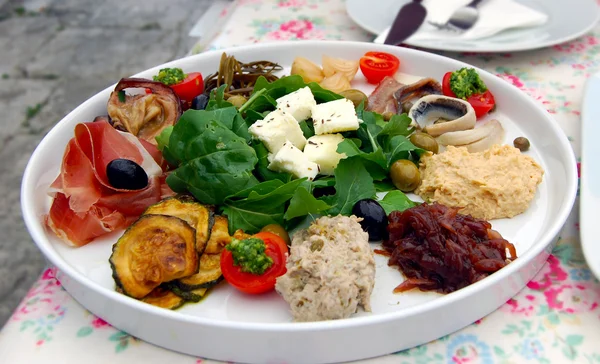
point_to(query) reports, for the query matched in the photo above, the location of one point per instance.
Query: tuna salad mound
(330, 270)
(497, 183)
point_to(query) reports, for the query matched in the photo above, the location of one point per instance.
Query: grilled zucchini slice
(219, 236)
(153, 250)
(194, 295)
(165, 298)
(208, 276)
(197, 215)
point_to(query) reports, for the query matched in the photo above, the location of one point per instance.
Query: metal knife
(409, 19)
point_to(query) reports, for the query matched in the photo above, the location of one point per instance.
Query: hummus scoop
(437, 114)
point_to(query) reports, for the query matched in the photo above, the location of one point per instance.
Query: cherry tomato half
(276, 248)
(190, 87)
(376, 65)
(482, 103)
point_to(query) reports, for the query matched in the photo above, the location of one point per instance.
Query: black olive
(199, 102)
(127, 175)
(374, 218)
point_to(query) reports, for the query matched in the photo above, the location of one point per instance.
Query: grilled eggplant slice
(197, 215)
(194, 295)
(165, 298)
(153, 250)
(208, 276)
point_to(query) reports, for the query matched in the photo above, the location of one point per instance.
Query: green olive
(237, 100)
(424, 141)
(356, 96)
(277, 230)
(405, 175)
(387, 116)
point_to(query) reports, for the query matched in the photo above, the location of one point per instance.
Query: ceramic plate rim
(590, 110)
(449, 48)
(37, 232)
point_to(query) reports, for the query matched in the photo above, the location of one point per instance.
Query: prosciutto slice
(85, 205)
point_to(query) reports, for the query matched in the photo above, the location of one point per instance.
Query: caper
(237, 100)
(406, 106)
(405, 175)
(424, 141)
(277, 230)
(521, 143)
(356, 96)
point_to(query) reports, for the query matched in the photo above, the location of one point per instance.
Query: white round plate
(567, 20)
(589, 199)
(229, 325)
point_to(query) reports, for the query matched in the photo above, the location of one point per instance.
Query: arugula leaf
(384, 185)
(304, 203)
(253, 116)
(308, 129)
(262, 171)
(264, 204)
(289, 84)
(352, 183)
(399, 147)
(162, 143)
(217, 99)
(214, 161)
(396, 201)
(375, 162)
(398, 125)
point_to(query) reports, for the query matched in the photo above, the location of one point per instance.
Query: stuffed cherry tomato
(252, 265)
(186, 86)
(467, 85)
(376, 65)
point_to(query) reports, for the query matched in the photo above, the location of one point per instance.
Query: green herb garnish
(249, 254)
(466, 82)
(170, 76)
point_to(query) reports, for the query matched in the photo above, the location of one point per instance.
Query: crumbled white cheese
(322, 149)
(334, 117)
(298, 103)
(291, 160)
(275, 129)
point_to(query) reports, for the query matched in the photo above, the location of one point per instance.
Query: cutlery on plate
(462, 19)
(409, 19)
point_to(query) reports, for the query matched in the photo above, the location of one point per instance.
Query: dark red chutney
(440, 250)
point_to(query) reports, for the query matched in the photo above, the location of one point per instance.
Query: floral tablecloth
(556, 319)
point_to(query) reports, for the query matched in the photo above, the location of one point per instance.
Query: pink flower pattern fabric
(555, 319)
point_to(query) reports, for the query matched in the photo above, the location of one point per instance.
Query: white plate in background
(567, 20)
(228, 325)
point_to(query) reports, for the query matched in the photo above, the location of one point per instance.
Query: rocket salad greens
(217, 161)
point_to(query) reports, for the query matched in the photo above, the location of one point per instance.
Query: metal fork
(463, 18)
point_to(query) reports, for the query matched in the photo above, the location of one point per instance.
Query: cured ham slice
(85, 205)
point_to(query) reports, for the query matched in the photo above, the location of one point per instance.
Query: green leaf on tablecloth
(543, 360)
(438, 357)
(553, 318)
(569, 352)
(527, 324)
(122, 345)
(498, 351)
(84, 331)
(574, 340)
(118, 336)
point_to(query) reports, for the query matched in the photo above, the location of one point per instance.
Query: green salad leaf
(217, 99)
(352, 183)
(286, 85)
(396, 200)
(259, 205)
(304, 203)
(262, 172)
(212, 161)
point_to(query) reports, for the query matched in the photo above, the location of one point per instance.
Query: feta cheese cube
(334, 117)
(299, 103)
(275, 129)
(291, 160)
(322, 149)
